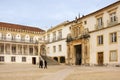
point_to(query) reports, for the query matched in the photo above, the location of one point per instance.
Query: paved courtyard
(57, 72)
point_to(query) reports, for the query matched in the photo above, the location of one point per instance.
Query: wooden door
(33, 60)
(100, 58)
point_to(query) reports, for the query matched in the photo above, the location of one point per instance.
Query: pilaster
(28, 50)
(10, 49)
(16, 49)
(4, 49)
(22, 49)
(33, 51)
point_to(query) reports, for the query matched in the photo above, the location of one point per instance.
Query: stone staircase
(49, 60)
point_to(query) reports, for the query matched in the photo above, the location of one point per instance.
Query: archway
(62, 59)
(55, 58)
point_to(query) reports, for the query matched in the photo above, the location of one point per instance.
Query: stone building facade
(95, 38)
(19, 44)
(55, 39)
(92, 39)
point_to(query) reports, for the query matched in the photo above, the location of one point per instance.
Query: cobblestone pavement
(57, 72)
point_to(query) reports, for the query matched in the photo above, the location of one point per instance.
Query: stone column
(83, 52)
(68, 54)
(4, 49)
(11, 49)
(59, 59)
(88, 52)
(33, 51)
(73, 55)
(16, 48)
(39, 57)
(22, 49)
(28, 50)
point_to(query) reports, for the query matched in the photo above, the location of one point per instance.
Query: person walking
(41, 64)
(45, 64)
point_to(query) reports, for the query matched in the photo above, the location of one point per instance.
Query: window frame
(13, 59)
(2, 58)
(110, 54)
(111, 37)
(54, 49)
(113, 17)
(99, 22)
(24, 59)
(60, 48)
(100, 41)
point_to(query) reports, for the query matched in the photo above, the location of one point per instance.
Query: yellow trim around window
(110, 56)
(110, 42)
(97, 40)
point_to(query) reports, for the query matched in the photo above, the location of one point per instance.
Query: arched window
(8, 36)
(27, 38)
(55, 58)
(35, 38)
(18, 37)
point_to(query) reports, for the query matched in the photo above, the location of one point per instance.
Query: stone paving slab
(57, 72)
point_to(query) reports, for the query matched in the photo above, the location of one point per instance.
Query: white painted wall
(19, 59)
(65, 31)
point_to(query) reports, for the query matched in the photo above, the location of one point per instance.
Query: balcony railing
(17, 40)
(97, 26)
(112, 23)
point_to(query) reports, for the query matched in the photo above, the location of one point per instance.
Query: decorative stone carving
(69, 38)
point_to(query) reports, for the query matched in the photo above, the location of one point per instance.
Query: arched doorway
(55, 58)
(62, 59)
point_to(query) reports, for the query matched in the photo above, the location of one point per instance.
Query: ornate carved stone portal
(78, 45)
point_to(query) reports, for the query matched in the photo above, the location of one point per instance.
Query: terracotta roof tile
(17, 26)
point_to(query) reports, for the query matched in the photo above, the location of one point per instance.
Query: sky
(47, 13)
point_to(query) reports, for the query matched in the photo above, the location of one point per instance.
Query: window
(13, 59)
(18, 37)
(23, 59)
(113, 17)
(59, 34)
(85, 22)
(44, 38)
(48, 37)
(13, 49)
(31, 39)
(99, 22)
(8, 36)
(31, 50)
(113, 55)
(54, 48)
(54, 36)
(60, 48)
(1, 49)
(113, 37)
(1, 58)
(100, 40)
(27, 38)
